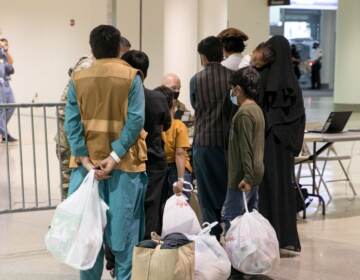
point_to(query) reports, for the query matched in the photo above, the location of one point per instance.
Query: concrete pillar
(347, 86)
(112, 12)
(153, 39)
(169, 37)
(252, 17)
(212, 17)
(327, 44)
(152, 32)
(180, 41)
(128, 20)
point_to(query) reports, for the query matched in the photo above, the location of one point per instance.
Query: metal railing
(15, 179)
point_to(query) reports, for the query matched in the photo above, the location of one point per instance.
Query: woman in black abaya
(282, 103)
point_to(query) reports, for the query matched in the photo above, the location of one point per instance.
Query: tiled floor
(331, 245)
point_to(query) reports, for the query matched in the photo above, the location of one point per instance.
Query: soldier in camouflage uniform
(62, 148)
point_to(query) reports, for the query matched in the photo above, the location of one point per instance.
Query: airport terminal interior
(46, 38)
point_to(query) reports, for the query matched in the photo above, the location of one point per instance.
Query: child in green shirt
(246, 145)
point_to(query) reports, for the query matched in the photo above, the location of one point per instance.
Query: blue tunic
(124, 192)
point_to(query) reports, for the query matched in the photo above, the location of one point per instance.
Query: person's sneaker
(288, 253)
(10, 138)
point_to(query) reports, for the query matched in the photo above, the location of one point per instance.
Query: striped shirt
(210, 98)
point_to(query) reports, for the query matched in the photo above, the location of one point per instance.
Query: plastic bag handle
(186, 183)
(245, 202)
(90, 176)
(155, 237)
(207, 227)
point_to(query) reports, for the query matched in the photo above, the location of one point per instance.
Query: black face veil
(281, 75)
(280, 95)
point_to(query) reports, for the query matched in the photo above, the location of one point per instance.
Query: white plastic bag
(251, 243)
(211, 260)
(179, 217)
(76, 233)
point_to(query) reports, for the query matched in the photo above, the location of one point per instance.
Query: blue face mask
(233, 98)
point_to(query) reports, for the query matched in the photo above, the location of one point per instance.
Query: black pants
(315, 75)
(297, 71)
(109, 257)
(211, 174)
(155, 195)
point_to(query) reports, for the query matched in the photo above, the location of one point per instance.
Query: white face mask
(233, 98)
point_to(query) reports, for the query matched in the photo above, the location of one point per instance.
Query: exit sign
(278, 2)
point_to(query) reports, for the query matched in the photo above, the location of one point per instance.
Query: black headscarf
(281, 96)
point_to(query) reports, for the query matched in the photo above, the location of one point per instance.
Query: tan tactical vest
(102, 92)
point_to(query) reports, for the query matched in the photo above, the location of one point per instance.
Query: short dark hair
(169, 94)
(124, 43)
(267, 51)
(138, 60)
(247, 78)
(233, 44)
(211, 48)
(4, 40)
(105, 41)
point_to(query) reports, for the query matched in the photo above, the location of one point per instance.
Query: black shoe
(112, 273)
(9, 138)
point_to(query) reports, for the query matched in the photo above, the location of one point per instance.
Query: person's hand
(104, 168)
(86, 163)
(100, 174)
(244, 186)
(4, 46)
(178, 187)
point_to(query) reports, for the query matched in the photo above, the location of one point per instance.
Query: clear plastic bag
(76, 233)
(179, 217)
(251, 243)
(211, 260)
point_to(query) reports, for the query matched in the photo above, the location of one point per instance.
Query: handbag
(164, 264)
